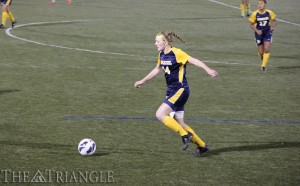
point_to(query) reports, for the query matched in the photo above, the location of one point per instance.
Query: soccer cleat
(263, 69)
(248, 14)
(1, 26)
(51, 3)
(186, 141)
(69, 2)
(13, 24)
(201, 150)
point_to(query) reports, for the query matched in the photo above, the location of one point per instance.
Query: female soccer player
(53, 2)
(263, 22)
(173, 61)
(6, 13)
(245, 3)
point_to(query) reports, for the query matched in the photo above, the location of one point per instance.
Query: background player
(6, 13)
(263, 22)
(173, 61)
(53, 2)
(245, 4)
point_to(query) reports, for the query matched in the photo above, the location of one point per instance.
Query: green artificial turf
(108, 46)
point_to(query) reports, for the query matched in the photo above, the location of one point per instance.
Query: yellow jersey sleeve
(252, 17)
(181, 56)
(158, 59)
(272, 14)
(7, 2)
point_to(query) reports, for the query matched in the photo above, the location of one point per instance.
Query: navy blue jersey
(262, 20)
(174, 65)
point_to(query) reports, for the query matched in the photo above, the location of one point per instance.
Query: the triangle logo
(38, 178)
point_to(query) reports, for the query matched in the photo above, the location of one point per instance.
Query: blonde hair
(168, 37)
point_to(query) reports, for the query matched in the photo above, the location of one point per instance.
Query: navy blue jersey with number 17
(262, 20)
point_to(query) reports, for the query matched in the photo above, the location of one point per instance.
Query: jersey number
(167, 70)
(263, 23)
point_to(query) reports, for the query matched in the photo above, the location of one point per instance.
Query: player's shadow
(8, 91)
(272, 145)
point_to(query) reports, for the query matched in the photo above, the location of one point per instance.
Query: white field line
(8, 32)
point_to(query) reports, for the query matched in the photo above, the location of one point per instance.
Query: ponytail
(167, 36)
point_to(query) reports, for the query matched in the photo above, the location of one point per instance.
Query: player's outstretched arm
(150, 76)
(202, 65)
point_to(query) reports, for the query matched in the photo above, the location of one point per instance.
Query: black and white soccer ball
(86, 147)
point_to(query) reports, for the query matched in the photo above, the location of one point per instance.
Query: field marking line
(8, 32)
(230, 63)
(235, 7)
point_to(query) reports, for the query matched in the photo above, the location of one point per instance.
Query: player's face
(261, 5)
(160, 43)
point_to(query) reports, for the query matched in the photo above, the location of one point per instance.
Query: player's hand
(259, 32)
(138, 84)
(212, 73)
(272, 29)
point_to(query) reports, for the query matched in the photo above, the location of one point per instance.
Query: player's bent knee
(160, 116)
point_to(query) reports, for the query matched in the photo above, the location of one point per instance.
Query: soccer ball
(86, 147)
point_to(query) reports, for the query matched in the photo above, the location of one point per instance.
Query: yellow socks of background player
(265, 60)
(242, 7)
(195, 138)
(248, 9)
(4, 18)
(11, 17)
(174, 125)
